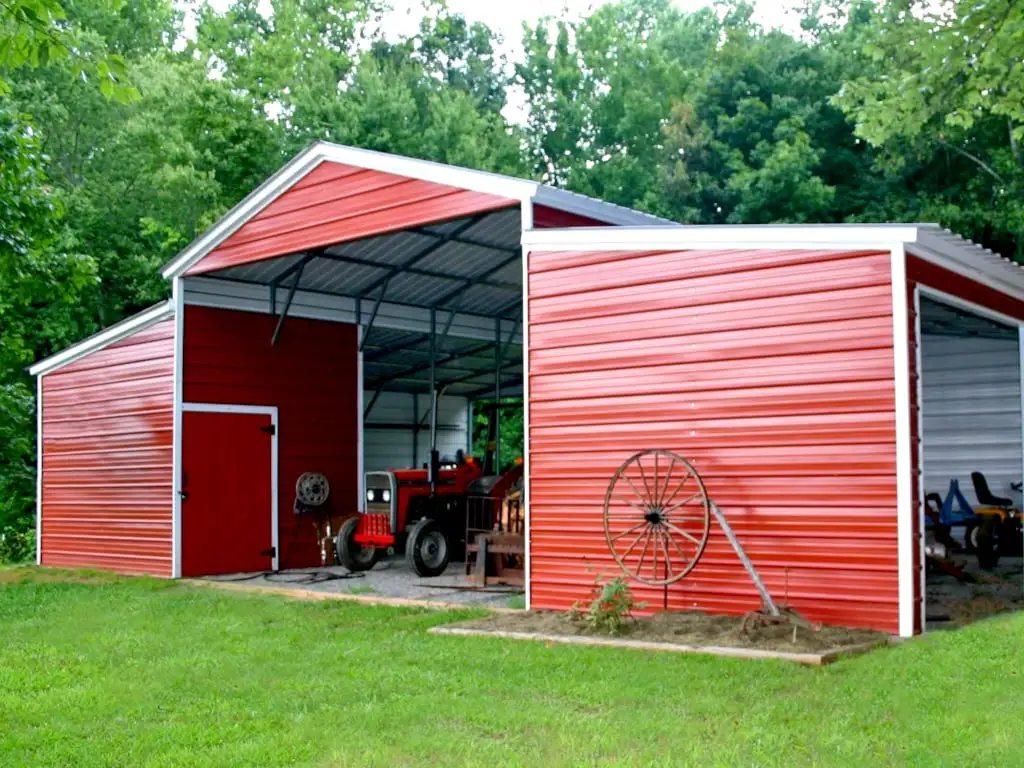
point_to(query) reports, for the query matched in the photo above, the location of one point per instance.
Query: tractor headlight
(371, 495)
(385, 496)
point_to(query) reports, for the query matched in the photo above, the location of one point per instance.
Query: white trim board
(904, 462)
(266, 410)
(179, 385)
(513, 189)
(104, 338)
(527, 218)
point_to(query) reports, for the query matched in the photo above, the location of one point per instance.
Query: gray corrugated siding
(971, 411)
(393, 448)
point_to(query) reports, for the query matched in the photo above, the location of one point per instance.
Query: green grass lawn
(141, 672)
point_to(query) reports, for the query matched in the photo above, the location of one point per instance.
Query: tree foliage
(895, 110)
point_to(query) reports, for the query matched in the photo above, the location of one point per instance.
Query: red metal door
(226, 512)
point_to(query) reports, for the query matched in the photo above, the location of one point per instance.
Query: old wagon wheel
(657, 516)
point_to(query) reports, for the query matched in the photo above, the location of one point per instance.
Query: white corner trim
(904, 464)
(104, 338)
(714, 237)
(527, 223)
(266, 410)
(176, 435)
(39, 470)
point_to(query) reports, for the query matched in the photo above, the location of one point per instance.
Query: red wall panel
(310, 375)
(546, 218)
(337, 203)
(107, 457)
(772, 371)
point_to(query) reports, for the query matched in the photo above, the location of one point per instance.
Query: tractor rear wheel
(426, 549)
(351, 554)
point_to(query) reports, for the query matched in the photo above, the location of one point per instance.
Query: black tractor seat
(985, 496)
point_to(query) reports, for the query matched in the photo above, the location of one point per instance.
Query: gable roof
(485, 182)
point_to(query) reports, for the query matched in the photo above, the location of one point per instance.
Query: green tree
(941, 94)
(41, 278)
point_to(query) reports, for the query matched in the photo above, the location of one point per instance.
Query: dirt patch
(952, 603)
(685, 628)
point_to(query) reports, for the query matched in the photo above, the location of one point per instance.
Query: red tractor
(405, 510)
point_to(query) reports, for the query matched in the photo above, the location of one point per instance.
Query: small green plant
(517, 602)
(611, 607)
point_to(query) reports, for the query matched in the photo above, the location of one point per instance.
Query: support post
(288, 302)
(373, 314)
(498, 354)
(433, 401)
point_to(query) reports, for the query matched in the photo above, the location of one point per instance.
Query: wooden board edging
(808, 659)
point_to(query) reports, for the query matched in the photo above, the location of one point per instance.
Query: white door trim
(266, 410)
(904, 463)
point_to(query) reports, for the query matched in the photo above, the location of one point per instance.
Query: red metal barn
(785, 362)
(297, 339)
(813, 375)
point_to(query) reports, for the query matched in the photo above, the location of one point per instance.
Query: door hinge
(270, 429)
(272, 552)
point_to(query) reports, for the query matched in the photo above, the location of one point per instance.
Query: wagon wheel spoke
(678, 547)
(660, 501)
(635, 489)
(682, 503)
(641, 524)
(630, 504)
(643, 553)
(668, 560)
(679, 487)
(654, 552)
(683, 533)
(635, 542)
(643, 476)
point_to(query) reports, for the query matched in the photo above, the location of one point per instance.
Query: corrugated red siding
(310, 375)
(337, 203)
(924, 273)
(771, 370)
(107, 457)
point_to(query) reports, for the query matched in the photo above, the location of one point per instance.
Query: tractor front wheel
(351, 554)
(426, 549)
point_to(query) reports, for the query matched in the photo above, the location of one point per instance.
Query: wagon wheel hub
(657, 517)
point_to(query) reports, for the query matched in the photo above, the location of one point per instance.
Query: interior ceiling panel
(471, 265)
(940, 319)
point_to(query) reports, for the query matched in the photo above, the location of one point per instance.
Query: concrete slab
(390, 579)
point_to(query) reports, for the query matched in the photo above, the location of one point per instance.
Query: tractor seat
(985, 496)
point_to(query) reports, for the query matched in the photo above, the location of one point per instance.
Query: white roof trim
(104, 338)
(516, 190)
(794, 236)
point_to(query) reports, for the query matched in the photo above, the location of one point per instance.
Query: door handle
(183, 495)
